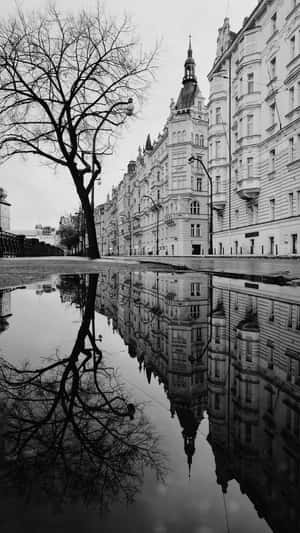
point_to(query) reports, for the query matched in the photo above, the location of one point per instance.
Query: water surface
(154, 401)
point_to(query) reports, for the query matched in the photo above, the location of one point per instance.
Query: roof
(187, 95)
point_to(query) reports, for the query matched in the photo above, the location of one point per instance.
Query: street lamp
(156, 206)
(191, 160)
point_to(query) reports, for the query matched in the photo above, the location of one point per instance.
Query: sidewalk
(19, 271)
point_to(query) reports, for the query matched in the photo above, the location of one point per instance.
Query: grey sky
(37, 194)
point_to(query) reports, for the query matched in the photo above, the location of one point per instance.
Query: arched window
(179, 136)
(201, 140)
(195, 208)
(183, 135)
(197, 139)
(171, 208)
(174, 136)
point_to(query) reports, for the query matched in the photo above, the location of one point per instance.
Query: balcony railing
(169, 220)
(219, 201)
(248, 188)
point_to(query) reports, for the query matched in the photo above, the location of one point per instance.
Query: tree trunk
(93, 250)
(89, 222)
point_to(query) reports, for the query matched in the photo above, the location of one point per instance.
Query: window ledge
(293, 163)
(272, 127)
(293, 60)
(291, 13)
(290, 113)
(272, 36)
(272, 81)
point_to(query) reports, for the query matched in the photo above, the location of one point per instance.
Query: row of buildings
(228, 349)
(248, 137)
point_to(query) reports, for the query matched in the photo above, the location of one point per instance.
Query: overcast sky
(39, 196)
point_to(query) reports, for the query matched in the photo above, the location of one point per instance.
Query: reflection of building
(161, 202)
(254, 132)
(5, 308)
(248, 379)
(163, 320)
(254, 397)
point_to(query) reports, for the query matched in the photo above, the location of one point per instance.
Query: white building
(254, 133)
(4, 211)
(161, 205)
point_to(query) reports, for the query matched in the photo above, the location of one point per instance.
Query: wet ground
(158, 401)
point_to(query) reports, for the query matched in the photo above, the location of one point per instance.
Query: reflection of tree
(68, 427)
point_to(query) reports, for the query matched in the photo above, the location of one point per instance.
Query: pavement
(20, 271)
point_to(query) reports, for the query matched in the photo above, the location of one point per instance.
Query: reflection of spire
(190, 425)
(148, 374)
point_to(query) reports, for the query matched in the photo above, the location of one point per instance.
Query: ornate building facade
(254, 133)
(161, 204)
(4, 211)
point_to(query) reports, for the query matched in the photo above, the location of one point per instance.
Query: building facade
(161, 205)
(4, 211)
(254, 133)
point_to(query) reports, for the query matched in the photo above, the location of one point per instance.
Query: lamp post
(191, 160)
(156, 206)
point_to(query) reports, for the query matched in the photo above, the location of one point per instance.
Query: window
(192, 230)
(273, 113)
(217, 334)
(250, 82)
(250, 119)
(290, 316)
(292, 46)
(198, 230)
(272, 208)
(291, 204)
(249, 351)
(291, 148)
(241, 128)
(291, 98)
(197, 139)
(201, 140)
(237, 215)
(199, 184)
(248, 392)
(272, 311)
(250, 167)
(272, 160)
(195, 208)
(248, 432)
(218, 115)
(218, 183)
(274, 22)
(218, 149)
(195, 289)
(273, 68)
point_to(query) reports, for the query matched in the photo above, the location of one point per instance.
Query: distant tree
(69, 236)
(66, 84)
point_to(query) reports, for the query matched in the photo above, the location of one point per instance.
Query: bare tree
(66, 85)
(68, 428)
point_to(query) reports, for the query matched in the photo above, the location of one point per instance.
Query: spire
(148, 147)
(189, 65)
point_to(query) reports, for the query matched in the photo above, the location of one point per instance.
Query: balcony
(248, 188)
(219, 201)
(169, 220)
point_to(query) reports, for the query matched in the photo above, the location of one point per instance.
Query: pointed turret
(148, 147)
(189, 66)
(190, 88)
